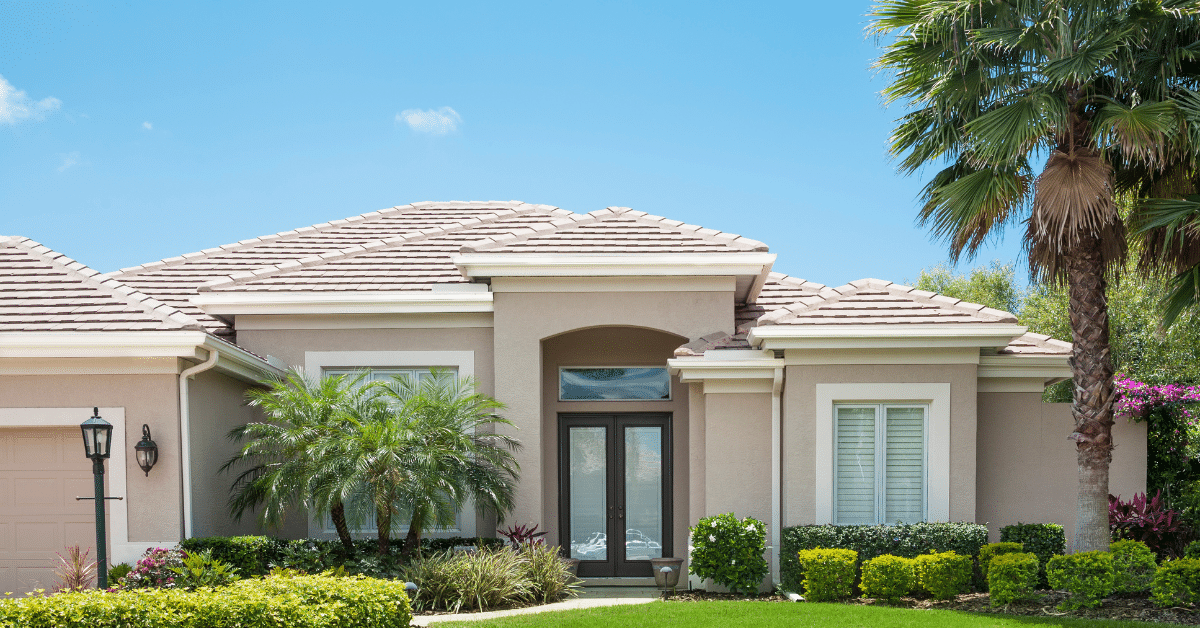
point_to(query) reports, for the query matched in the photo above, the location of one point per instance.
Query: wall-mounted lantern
(146, 451)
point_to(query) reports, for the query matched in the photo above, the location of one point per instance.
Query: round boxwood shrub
(729, 551)
(992, 550)
(1133, 566)
(828, 573)
(1177, 583)
(943, 575)
(1088, 576)
(887, 577)
(1012, 577)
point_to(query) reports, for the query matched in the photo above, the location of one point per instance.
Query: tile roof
(875, 302)
(1036, 344)
(617, 230)
(778, 291)
(43, 290)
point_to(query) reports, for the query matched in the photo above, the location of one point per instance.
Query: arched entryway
(615, 425)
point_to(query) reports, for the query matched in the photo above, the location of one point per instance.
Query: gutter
(185, 436)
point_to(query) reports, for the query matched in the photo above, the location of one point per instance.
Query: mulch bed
(1117, 607)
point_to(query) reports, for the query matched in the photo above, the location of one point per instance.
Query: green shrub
(1087, 575)
(550, 579)
(1012, 577)
(250, 555)
(200, 569)
(887, 577)
(1043, 539)
(1177, 583)
(118, 571)
(1133, 565)
(828, 573)
(1192, 550)
(992, 550)
(729, 551)
(908, 540)
(943, 575)
(300, 602)
(469, 580)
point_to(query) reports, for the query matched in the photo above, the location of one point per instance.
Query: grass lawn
(738, 614)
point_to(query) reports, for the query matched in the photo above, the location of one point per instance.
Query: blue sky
(135, 131)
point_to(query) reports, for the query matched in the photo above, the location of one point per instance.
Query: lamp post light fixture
(146, 451)
(97, 445)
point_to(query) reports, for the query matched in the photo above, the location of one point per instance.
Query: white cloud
(16, 106)
(147, 126)
(68, 160)
(432, 121)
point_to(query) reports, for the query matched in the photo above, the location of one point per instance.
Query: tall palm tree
(418, 447)
(288, 462)
(1094, 89)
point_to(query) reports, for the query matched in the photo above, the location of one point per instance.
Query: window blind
(904, 483)
(880, 464)
(856, 465)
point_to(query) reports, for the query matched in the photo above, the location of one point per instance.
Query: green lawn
(775, 615)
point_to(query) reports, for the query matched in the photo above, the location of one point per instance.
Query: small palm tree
(289, 462)
(1098, 89)
(417, 446)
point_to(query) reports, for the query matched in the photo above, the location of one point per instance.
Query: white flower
(750, 528)
(733, 562)
(712, 538)
(714, 524)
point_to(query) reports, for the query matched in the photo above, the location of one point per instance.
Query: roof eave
(348, 302)
(880, 336)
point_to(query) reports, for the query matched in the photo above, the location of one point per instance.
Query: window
(614, 383)
(880, 463)
(384, 373)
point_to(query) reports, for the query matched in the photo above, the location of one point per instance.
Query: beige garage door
(42, 470)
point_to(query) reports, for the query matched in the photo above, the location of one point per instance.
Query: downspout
(185, 437)
(776, 473)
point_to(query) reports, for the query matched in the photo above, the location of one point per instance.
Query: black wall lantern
(146, 451)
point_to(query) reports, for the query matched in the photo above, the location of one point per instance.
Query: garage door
(42, 470)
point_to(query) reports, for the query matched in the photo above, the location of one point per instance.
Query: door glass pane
(589, 494)
(643, 493)
(855, 465)
(904, 489)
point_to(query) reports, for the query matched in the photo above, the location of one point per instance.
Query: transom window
(880, 463)
(614, 383)
(386, 373)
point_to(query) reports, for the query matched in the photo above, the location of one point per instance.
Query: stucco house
(657, 372)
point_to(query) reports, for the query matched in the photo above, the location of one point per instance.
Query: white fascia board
(485, 265)
(699, 369)
(884, 336)
(89, 344)
(348, 302)
(1045, 368)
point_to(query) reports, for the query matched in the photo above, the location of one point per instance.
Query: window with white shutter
(880, 463)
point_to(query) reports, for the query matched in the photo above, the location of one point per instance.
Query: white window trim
(670, 393)
(937, 396)
(880, 472)
(120, 548)
(463, 361)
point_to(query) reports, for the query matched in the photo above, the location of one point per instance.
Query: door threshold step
(617, 582)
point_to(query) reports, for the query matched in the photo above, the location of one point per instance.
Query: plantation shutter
(904, 456)
(855, 465)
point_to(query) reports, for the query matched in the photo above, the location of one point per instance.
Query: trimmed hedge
(992, 550)
(908, 540)
(1134, 564)
(1046, 540)
(1177, 583)
(888, 577)
(272, 602)
(1089, 576)
(943, 575)
(1011, 577)
(257, 555)
(828, 573)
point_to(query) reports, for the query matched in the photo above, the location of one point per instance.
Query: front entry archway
(615, 501)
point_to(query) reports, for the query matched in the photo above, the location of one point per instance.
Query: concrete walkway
(569, 605)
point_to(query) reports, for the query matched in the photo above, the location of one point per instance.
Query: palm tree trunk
(383, 525)
(412, 541)
(1091, 364)
(338, 514)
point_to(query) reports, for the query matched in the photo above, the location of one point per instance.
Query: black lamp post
(97, 445)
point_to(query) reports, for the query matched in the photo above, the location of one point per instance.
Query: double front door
(615, 491)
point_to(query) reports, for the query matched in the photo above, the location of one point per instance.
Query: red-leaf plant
(1150, 521)
(522, 534)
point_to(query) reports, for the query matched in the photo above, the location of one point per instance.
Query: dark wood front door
(615, 491)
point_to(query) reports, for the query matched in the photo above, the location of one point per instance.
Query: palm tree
(418, 447)
(1098, 89)
(288, 462)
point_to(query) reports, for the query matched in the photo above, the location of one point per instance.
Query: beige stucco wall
(737, 454)
(155, 503)
(799, 425)
(290, 345)
(613, 346)
(216, 405)
(523, 319)
(1027, 467)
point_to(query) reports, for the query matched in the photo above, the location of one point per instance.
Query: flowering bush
(729, 551)
(155, 569)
